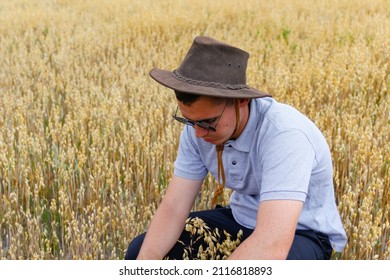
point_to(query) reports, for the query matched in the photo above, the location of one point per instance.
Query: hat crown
(209, 60)
(210, 68)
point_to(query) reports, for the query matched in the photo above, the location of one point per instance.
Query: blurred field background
(86, 137)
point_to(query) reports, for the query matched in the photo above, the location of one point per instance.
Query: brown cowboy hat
(210, 68)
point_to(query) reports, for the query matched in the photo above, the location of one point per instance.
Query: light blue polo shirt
(280, 154)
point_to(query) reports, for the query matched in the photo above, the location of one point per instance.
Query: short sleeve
(188, 163)
(287, 162)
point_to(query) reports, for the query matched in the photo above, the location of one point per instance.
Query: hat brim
(166, 78)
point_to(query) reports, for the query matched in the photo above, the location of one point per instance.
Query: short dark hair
(189, 98)
(186, 98)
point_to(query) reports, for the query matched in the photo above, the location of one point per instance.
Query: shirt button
(234, 162)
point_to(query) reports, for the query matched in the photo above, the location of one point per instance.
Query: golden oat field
(87, 142)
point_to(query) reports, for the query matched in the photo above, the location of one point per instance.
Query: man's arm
(168, 222)
(274, 232)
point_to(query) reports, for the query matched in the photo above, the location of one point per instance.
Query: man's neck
(244, 117)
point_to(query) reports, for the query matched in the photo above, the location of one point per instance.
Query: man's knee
(134, 247)
(307, 246)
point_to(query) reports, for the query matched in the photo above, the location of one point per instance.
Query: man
(275, 160)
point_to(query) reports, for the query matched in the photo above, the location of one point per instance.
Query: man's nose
(200, 131)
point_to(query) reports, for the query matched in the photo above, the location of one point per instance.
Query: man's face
(219, 114)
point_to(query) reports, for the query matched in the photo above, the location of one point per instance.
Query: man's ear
(242, 102)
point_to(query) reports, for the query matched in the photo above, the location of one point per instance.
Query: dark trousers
(307, 244)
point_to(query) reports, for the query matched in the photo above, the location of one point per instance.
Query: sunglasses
(205, 124)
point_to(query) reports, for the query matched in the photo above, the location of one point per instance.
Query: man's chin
(214, 142)
(210, 140)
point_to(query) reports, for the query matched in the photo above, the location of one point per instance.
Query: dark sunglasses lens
(205, 126)
(192, 123)
(202, 125)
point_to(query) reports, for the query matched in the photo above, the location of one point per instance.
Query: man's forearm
(168, 222)
(163, 232)
(274, 232)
